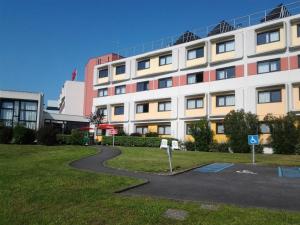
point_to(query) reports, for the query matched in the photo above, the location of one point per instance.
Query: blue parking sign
(253, 140)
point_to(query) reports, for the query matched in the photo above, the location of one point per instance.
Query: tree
(284, 133)
(237, 126)
(97, 117)
(202, 134)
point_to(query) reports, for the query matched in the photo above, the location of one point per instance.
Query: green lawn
(37, 186)
(156, 160)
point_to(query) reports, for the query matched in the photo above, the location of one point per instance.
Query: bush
(202, 134)
(190, 146)
(136, 135)
(151, 134)
(64, 139)
(219, 147)
(6, 134)
(284, 133)
(237, 126)
(121, 132)
(77, 137)
(297, 150)
(47, 136)
(23, 135)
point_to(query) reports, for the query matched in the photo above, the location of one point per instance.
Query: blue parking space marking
(213, 168)
(291, 172)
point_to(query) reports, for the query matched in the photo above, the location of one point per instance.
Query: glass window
(264, 128)
(195, 53)
(142, 108)
(298, 30)
(225, 73)
(103, 111)
(120, 90)
(165, 60)
(142, 86)
(119, 110)
(164, 106)
(164, 130)
(142, 130)
(195, 103)
(103, 73)
(226, 46)
(269, 96)
(165, 82)
(220, 128)
(102, 92)
(268, 66)
(144, 64)
(120, 69)
(195, 78)
(225, 100)
(188, 129)
(268, 37)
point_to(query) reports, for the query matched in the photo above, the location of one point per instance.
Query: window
(120, 69)
(142, 108)
(298, 61)
(142, 86)
(268, 66)
(164, 106)
(219, 128)
(225, 73)
(141, 130)
(298, 30)
(268, 37)
(225, 100)
(165, 60)
(164, 130)
(226, 46)
(103, 73)
(264, 128)
(102, 92)
(119, 110)
(194, 103)
(165, 82)
(195, 53)
(145, 64)
(120, 90)
(195, 78)
(188, 129)
(103, 111)
(269, 96)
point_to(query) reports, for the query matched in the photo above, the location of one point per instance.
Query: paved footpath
(264, 189)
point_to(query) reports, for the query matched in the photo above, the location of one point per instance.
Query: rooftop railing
(259, 17)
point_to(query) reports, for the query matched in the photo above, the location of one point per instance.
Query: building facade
(255, 68)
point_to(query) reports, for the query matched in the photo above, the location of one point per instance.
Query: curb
(131, 187)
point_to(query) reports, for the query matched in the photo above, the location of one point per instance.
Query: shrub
(64, 139)
(6, 134)
(219, 147)
(136, 134)
(77, 137)
(23, 135)
(47, 136)
(121, 132)
(297, 149)
(237, 126)
(151, 134)
(190, 146)
(284, 133)
(202, 134)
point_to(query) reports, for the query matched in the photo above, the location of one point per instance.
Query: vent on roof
(186, 37)
(278, 12)
(222, 27)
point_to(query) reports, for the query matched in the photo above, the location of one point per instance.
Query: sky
(42, 41)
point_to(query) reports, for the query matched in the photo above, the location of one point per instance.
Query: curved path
(265, 189)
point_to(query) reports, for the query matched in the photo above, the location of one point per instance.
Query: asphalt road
(263, 189)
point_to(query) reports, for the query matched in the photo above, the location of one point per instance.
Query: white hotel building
(254, 67)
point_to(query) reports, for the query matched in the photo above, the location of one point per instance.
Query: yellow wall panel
(154, 68)
(274, 45)
(296, 100)
(153, 113)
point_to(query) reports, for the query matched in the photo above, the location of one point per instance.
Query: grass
(37, 186)
(156, 160)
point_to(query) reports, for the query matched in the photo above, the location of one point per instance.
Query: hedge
(134, 141)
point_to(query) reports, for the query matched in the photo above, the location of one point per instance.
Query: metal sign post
(253, 140)
(113, 132)
(170, 158)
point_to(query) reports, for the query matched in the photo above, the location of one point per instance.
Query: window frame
(118, 106)
(225, 100)
(120, 86)
(269, 91)
(225, 69)
(143, 128)
(103, 89)
(165, 79)
(142, 83)
(143, 61)
(269, 64)
(194, 99)
(201, 74)
(195, 49)
(165, 60)
(217, 128)
(142, 104)
(298, 30)
(118, 66)
(164, 103)
(218, 44)
(268, 33)
(102, 76)
(164, 127)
